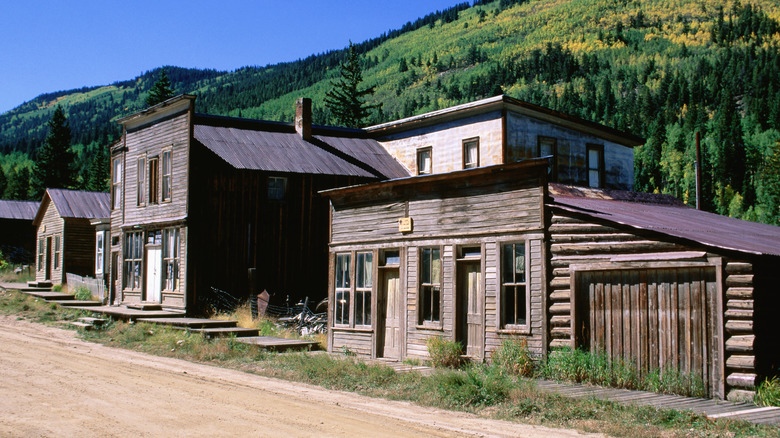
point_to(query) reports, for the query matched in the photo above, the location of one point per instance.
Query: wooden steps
(217, 332)
(88, 323)
(49, 296)
(76, 303)
(278, 344)
(190, 323)
(145, 306)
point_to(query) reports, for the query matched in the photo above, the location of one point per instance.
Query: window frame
(132, 257)
(171, 259)
(340, 311)
(420, 152)
(57, 252)
(466, 143)
(354, 291)
(554, 146)
(274, 192)
(141, 181)
(166, 176)
(502, 324)
(422, 286)
(363, 294)
(116, 183)
(100, 248)
(41, 252)
(153, 178)
(600, 167)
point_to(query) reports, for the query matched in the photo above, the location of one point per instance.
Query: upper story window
(141, 181)
(471, 153)
(166, 176)
(429, 307)
(154, 184)
(514, 298)
(424, 161)
(277, 186)
(548, 147)
(595, 159)
(116, 183)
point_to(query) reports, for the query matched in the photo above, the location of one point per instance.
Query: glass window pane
(594, 178)
(435, 266)
(507, 268)
(519, 263)
(594, 157)
(425, 266)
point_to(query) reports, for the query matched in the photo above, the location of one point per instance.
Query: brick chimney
(303, 117)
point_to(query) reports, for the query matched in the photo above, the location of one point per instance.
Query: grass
(487, 390)
(768, 393)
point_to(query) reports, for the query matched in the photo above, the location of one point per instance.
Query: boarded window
(343, 285)
(430, 286)
(154, 183)
(424, 161)
(595, 165)
(277, 187)
(166, 176)
(548, 147)
(57, 251)
(141, 181)
(364, 282)
(133, 256)
(116, 184)
(514, 301)
(170, 241)
(471, 153)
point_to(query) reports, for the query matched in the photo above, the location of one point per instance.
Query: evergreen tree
(99, 171)
(345, 100)
(3, 182)
(54, 164)
(18, 187)
(161, 90)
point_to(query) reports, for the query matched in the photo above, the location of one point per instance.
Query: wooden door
(389, 329)
(657, 319)
(49, 259)
(469, 326)
(153, 274)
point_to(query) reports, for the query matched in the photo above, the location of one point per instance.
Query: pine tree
(99, 170)
(18, 187)
(345, 100)
(54, 164)
(161, 90)
(3, 182)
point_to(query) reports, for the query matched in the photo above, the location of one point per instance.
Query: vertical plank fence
(95, 286)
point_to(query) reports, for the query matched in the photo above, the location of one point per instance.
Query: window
(343, 264)
(166, 176)
(364, 282)
(57, 252)
(276, 187)
(424, 161)
(41, 252)
(170, 249)
(154, 185)
(514, 309)
(430, 286)
(548, 147)
(133, 255)
(391, 257)
(471, 153)
(595, 160)
(99, 251)
(116, 184)
(141, 181)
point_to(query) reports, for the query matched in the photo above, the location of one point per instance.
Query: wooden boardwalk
(709, 407)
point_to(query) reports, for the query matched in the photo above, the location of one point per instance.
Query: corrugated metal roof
(25, 210)
(276, 147)
(657, 213)
(80, 205)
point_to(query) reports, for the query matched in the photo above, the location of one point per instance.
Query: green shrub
(512, 357)
(477, 385)
(443, 353)
(768, 393)
(82, 293)
(57, 288)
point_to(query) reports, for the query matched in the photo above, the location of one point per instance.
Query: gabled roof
(666, 215)
(504, 102)
(23, 210)
(75, 204)
(276, 147)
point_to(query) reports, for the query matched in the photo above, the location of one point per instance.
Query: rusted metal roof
(24, 210)
(659, 214)
(276, 147)
(76, 204)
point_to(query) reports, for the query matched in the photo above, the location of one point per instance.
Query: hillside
(660, 69)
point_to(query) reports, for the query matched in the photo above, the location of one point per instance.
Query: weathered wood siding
(522, 143)
(51, 225)
(78, 248)
(446, 141)
(358, 342)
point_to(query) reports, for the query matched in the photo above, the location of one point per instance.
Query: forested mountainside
(661, 69)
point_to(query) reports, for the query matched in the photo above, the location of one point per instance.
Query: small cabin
(65, 238)
(17, 233)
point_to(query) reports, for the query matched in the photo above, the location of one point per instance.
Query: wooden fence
(95, 285)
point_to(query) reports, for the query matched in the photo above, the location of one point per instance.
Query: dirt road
(53, 384)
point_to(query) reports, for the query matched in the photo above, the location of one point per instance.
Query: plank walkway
(710, 407)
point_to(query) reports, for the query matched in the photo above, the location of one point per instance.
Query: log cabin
(198, 200)
(487, 243)
(64, 235)
(17, 233)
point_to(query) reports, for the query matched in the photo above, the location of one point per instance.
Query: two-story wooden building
(197, 200)
(485, 245)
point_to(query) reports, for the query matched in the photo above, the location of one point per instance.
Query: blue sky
(54, 45)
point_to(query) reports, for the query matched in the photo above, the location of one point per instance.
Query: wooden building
(198, 200)
(65, 238)
(17, 233)
(501, 130)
